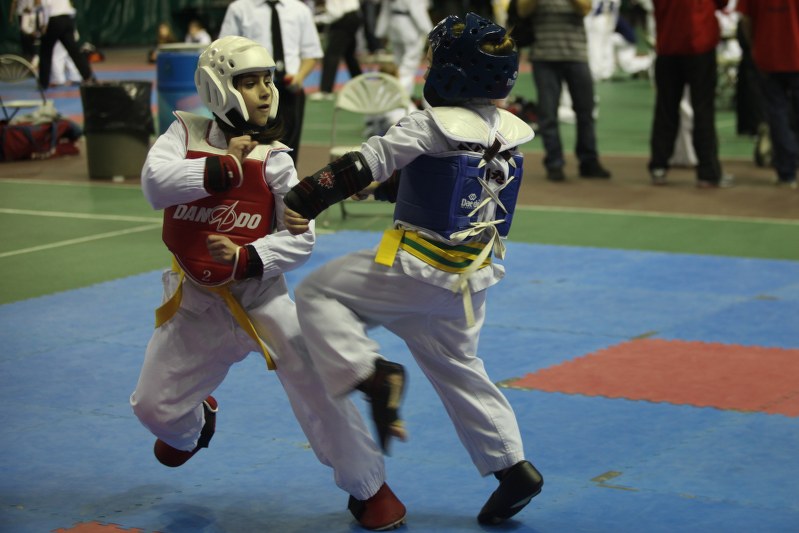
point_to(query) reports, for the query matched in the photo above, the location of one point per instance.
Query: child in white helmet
(221, 184)
(455, 192)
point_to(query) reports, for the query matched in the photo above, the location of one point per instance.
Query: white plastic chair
(18, 71)
(370, 93)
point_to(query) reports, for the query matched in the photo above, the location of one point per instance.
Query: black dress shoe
(556, 174)
(594, 170)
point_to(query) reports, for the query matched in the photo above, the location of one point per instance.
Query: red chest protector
(243, 214)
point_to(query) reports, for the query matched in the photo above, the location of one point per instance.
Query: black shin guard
(384, 390)
(210, 408)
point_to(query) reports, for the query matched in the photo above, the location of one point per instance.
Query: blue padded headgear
(461, 70)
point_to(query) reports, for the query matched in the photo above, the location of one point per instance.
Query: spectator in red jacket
(687, 33)
(772, 29)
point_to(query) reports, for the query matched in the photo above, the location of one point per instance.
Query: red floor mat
(744, 378)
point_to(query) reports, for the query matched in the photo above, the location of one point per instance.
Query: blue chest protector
(442, 193)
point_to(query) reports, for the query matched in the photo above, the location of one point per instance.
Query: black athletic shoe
(518, 485)
(384, 391)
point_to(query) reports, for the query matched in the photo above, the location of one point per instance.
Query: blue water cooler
(175, 66)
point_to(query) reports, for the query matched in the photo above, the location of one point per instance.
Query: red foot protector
(725, 376)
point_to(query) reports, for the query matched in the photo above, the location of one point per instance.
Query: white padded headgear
(224, 59)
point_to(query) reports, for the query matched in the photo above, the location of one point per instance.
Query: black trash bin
(117, 123)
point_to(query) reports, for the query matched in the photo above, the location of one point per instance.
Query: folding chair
(371, 93)
(19, 80)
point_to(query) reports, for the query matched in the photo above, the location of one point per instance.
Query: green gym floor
(70, 231)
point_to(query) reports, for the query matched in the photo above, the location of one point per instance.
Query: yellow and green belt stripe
(456, 258)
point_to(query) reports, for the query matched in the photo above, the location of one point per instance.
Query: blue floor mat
(73, 453)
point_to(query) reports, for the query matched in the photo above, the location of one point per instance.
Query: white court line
(84, 216)
(90, 238)
(658, 214)
(547, 209)
(73, 183)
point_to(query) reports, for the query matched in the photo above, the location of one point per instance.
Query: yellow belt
(168, 309)
(463, 259)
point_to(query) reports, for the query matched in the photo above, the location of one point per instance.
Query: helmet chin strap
(434, 99)
(241, 125)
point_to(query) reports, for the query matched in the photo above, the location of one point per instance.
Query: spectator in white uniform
(405, 25)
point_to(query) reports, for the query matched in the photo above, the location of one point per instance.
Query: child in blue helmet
(453, 171)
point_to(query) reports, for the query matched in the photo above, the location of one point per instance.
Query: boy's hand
(295, 222)
(221, 248)
(366, 192)
(239, 147)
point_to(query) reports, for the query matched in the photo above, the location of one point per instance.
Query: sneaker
(556, 174)
(384, 390)
(321, 97)
(172, 457)
(789, 183)
(594, 170)
(763, 150)
(517, 486)
(658, 176)
(725, 182)
(381, 512)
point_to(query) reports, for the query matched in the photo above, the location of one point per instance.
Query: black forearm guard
(339, 180)
(387, 190)
(221, 173)
(250, 264)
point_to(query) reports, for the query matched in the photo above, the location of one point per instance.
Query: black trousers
(61, 28)
(369, 11)
(749, 113)
(781, 98)
(28, 42)
(291, 109)
(672, 74)
(341, 41)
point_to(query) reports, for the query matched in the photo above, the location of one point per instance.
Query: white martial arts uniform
(189, 355)
(405, 24)
(340, 301)
(608, 51)
(63, 69)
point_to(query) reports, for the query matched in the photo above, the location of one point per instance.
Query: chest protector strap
(451, 194)
(447, 193)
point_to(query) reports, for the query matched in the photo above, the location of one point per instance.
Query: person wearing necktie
(286, 28)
